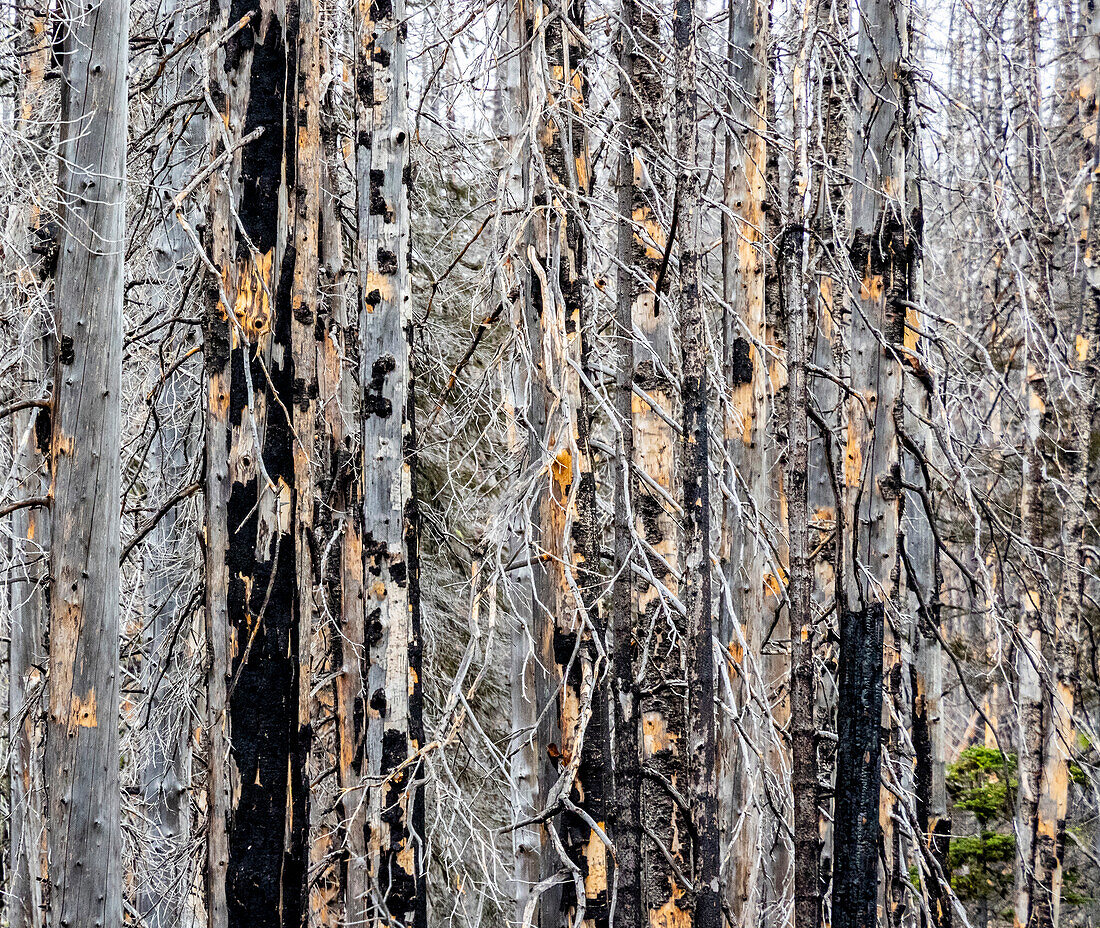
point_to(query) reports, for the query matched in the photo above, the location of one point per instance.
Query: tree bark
(792, 259)
(626, 730)
(394, 703)
(82, 748)
(259, 498)
(30, 526)
(695, 554)
(743, 538)
(881, 255)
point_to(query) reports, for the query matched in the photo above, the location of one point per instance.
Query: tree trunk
(394, 709)
(1084, 325)
(695, 556)
(828, 299)
(82, 749)
(259, 504)
(30, 527)
(626, 729)
(881, 254)
(1036, 607)
(567, 531)
(744, 542)
(167, 773)
(792, 261)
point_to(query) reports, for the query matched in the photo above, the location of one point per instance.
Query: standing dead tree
(82, 747)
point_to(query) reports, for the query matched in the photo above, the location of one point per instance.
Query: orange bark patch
(595, 881)
(671, 915)
(561, 474)
(655, 734)
(82, 714)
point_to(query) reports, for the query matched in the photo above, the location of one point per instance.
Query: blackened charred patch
(378, 702)
(372, 548)
(42, 430)
(740, 363)
(395, 749)
(565, 644)
(303, 314)
(859, 713)
(364, 88)
(215, 342)
(399, 573)
(377, 198)
(46, 244)
(387, 261)
(374, 627)
(381, 9)
(649, 378)
(374, 402)
(66, 353)
(262, 159)
(890, 483)
(381, 57)
(650, 511)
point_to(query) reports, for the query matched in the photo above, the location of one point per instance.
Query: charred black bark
(859, 722)
(265, 881)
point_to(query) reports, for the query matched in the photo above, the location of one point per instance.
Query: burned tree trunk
(565, 612)
(261, 381)
(626, 740)
(82, 748)
(881, 253)
(699, 744)
(652, 709)
(792, 270)
(394, 723)
(828, 301)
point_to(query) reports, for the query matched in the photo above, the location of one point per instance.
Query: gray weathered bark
(394, 721)
(84, 820)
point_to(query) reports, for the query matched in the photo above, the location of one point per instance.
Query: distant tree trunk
(166, 573)
(1035, 605)
(828, 298)
(881, 252)
(1083, 324)
(259, 500)
(625, 695)
(30, 527)
(792, 269)
(82, 748)
(921, 556)
(699, 745)
(394, 702)
(744, 555)
(568, 534)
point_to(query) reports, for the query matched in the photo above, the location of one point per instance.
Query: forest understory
(550, 463)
